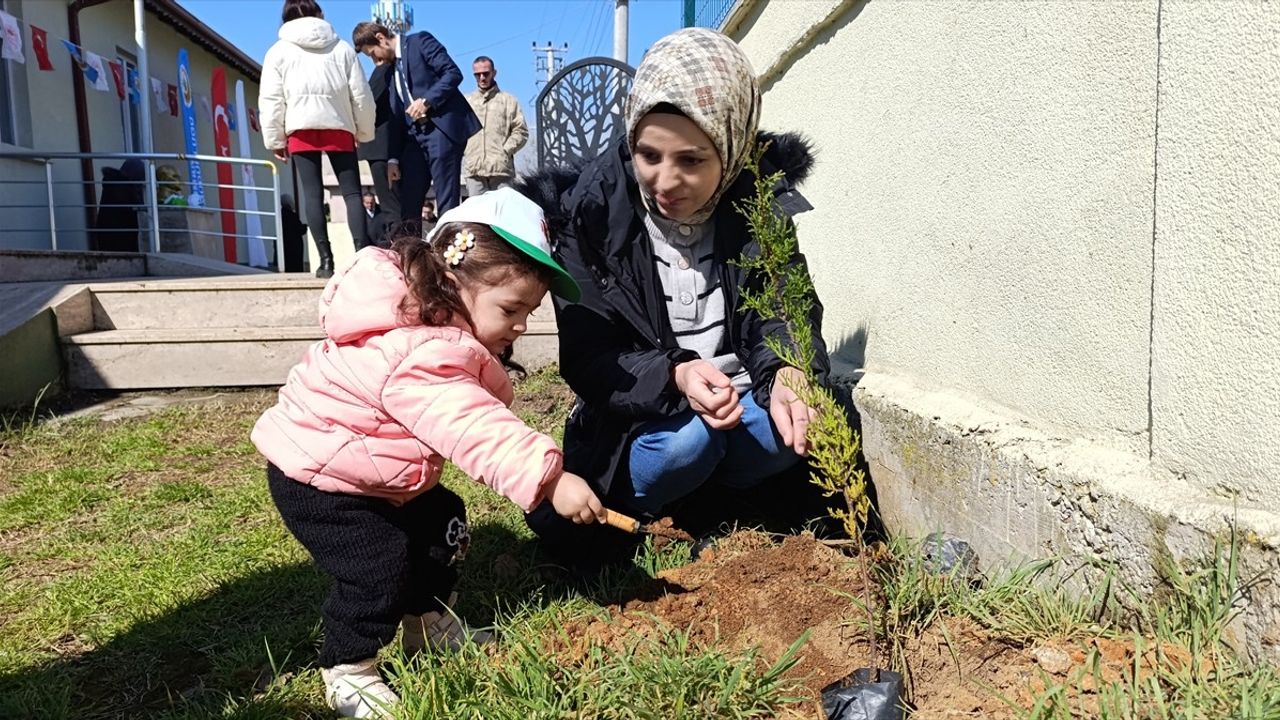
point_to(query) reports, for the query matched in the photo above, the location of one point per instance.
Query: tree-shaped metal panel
(580, 111)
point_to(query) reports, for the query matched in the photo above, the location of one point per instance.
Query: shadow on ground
(194, 661)
(237, 652)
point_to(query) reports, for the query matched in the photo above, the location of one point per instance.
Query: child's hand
(572, 499)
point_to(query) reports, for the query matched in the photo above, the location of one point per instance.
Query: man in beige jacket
(489, 161)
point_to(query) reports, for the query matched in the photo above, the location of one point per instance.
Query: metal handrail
(151, 204)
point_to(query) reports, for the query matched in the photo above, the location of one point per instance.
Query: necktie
(402, 84)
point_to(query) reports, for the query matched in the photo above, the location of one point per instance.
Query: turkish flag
(40, 44)
(117, 72)
(173, 100)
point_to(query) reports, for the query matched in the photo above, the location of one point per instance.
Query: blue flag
(89, 73)
(135, 94)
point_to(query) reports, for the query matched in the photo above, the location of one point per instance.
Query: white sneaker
(356, 690)
(442, 631)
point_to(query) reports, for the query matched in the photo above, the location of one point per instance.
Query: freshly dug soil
(754, 592)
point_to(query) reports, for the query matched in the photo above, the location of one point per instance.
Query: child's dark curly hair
(434, 298)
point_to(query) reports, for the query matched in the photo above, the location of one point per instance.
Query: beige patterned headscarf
(708, 78)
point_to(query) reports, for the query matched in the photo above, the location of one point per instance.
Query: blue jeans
(671, 458)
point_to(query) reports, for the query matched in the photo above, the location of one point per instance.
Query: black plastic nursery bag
(854, 697)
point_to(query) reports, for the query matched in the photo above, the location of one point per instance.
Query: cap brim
(562, 283)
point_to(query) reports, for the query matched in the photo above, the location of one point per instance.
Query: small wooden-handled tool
(625, 523)
(663, 528)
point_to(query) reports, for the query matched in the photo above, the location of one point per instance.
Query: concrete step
(219, 357)
(257, 302)
(184, 357)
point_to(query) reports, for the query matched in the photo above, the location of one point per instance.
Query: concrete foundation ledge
(1016, 491)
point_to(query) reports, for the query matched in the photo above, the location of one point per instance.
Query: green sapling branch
(779, 289)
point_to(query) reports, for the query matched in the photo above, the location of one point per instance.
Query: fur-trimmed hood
(558, 190)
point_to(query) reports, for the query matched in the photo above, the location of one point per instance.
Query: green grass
(145, 571)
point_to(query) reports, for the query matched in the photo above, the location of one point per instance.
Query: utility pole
(621, 16)
(547, 61)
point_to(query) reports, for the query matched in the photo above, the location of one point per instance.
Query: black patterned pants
(385, 560)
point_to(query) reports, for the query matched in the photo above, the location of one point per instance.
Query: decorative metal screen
(705, 13)
(580, 111)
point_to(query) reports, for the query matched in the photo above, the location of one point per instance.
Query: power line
(582, 20)
(591, 41)
(606, 25)
(499, 42)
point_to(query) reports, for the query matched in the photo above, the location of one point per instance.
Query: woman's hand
(572, 499)
(282, 154)
(710, 393)
(789, 413)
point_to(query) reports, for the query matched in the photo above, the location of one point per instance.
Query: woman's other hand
(789, 413)
(573, 499)
(710, 393)
(282, 154)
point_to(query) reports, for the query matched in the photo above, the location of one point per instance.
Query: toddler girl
(408, 377)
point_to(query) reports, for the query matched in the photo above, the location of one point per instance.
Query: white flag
(158, 97)
(95, 61)
(12, 46)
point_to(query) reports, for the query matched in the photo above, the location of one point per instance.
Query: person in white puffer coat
(315, 99)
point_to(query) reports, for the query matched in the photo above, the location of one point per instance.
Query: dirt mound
(755, 592)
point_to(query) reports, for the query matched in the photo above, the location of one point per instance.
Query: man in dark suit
(375, 152)
(426, 143)
(377, 221)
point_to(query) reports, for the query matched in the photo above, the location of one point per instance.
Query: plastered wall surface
(43, 101)
(1216, 369)
(983, 194)
(116, 28)
(1003, 213)
(50, 102)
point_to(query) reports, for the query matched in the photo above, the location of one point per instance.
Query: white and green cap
(520, 222)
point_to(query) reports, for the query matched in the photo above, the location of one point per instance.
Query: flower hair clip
(463, 241)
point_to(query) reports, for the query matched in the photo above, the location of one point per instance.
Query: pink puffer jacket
(379, 405)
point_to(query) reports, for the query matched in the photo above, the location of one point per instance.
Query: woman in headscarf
(676, 386)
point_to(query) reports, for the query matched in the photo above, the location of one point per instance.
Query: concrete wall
(984, 178)
(1216, 336)
(30, 362)
(1049, 231)
(108, 30)
(45, 108)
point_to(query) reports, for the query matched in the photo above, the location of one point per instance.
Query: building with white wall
(1049, 236)
(56, 111)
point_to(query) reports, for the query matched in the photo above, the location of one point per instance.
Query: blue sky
(502, 29)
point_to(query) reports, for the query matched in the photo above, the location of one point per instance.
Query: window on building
(130, 120)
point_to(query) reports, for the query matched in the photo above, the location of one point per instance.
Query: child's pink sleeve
(436, 393)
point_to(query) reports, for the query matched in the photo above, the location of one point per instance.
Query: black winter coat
(380, 85)
(617, 350)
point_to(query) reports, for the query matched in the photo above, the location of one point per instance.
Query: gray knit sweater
(685, 260)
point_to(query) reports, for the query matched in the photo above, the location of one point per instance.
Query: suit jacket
(433, 76)
(380, 84)
(375, 228)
